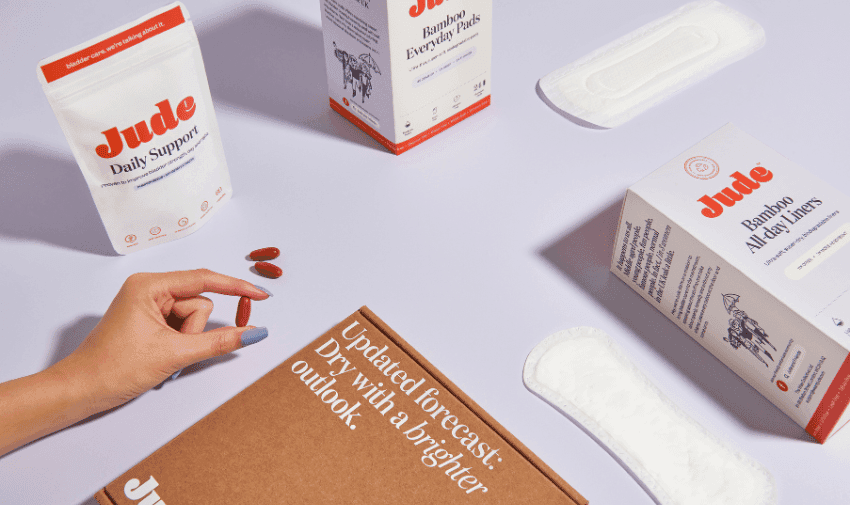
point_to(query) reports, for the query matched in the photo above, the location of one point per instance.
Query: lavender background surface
(474, 246)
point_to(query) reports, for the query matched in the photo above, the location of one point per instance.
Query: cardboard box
(744, 251)
(356, 417)
(405, 71)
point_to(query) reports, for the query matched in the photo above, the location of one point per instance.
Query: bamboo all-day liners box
(357, 417)
(403, 71)
(745, 251)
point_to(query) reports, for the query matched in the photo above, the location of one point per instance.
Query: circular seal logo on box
(700, 167)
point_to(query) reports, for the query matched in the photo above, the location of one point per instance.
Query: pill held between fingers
(243, 312)
(266, 253)
(268, 270)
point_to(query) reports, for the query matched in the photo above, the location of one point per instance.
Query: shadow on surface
(70, 337)
(583, 255)
(89, 501)
(44, 197)
(570, 117)
(270, 65)
(78, 423)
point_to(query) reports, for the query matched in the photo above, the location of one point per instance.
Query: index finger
(188, 283)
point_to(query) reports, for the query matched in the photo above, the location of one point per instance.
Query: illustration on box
(744, 331)
(356, 72)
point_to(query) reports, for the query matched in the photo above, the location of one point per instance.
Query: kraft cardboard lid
(357, 416)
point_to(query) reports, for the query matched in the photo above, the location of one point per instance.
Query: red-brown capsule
(243, 312)
(266, 253)
(268, 270)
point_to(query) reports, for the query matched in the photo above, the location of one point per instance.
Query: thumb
(219, 342)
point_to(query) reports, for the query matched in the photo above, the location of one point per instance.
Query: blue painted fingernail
(264, 290)
(254, 335)
(176, 374)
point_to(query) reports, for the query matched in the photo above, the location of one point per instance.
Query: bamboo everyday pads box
(744, 251)
(403, 71)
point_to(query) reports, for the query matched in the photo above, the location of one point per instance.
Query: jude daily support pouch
(136, 109)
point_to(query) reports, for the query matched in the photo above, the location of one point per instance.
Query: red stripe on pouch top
(113, 45)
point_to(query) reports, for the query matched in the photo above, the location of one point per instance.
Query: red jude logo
(741, 186)
(421, 5)
(139, 134)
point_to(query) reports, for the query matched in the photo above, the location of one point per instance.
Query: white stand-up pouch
(136, 109)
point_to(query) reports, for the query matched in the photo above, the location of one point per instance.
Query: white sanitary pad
(582, 373)
(631, 74)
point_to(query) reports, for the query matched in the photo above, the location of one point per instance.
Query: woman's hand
(153, 328)
(133, 348)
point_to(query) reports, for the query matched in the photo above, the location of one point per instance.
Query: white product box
(403, 71)
(745, 251)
